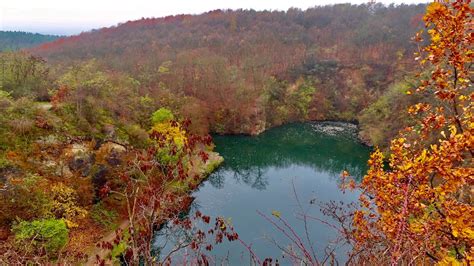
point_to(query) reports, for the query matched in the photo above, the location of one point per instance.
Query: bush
(25, 199)
(22, 126)
(50, 234)
(64, 204)
(161, 115)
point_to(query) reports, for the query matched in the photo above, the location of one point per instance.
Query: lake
(259, 174)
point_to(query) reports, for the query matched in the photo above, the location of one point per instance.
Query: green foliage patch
(161, 115)
(50, 234)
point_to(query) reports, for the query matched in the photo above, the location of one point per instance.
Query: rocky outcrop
(112, 152)
(79, 159)
(258, 128)
(365, 139)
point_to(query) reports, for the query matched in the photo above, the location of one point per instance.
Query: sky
(67, 17)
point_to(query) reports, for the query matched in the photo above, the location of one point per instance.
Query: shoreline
(203, 170)
(359, 137)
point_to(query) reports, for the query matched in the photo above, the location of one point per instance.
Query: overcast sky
(74, 16)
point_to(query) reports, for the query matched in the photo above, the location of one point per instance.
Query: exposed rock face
(83, 159)
(80, 158)
(59, 168)
(335, 128)
(113, 152)
(78, 148)
(82, 163)
(48, 140)
(343, 128)
(114, 160)
(364, 139)
(110, 147)
(258, 128)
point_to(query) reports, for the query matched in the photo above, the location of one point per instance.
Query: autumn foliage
(419, 210)
(96, 154)
(243, 71)
(154, 188)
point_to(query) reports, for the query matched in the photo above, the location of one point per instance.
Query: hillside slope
(243, 71)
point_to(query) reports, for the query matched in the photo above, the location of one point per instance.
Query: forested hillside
(14, 40)
(243, 71)
(105, 135)
(69, 155)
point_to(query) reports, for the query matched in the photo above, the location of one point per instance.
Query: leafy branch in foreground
(420, 210)
(155, 190)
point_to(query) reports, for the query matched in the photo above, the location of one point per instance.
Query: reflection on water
(259, 173)
(328, 147)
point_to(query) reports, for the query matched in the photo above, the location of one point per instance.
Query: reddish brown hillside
(237, 68)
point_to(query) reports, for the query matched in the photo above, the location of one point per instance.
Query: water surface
(259, 174)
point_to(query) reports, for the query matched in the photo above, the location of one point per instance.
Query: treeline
(15, 40)
(243, 71)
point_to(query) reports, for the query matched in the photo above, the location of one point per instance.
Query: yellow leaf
(453, 130)
(443, 134)
(70, 224)
(468, 232)
(276, 214)
(455, 232)
(423, 156)
(433, 7)
(448, 260)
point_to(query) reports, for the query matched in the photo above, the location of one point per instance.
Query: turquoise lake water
(259, 174)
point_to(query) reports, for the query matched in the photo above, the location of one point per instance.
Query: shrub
(64, 204)
(25, 199)
(50, 234)
(22, 126)
(161, 115)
